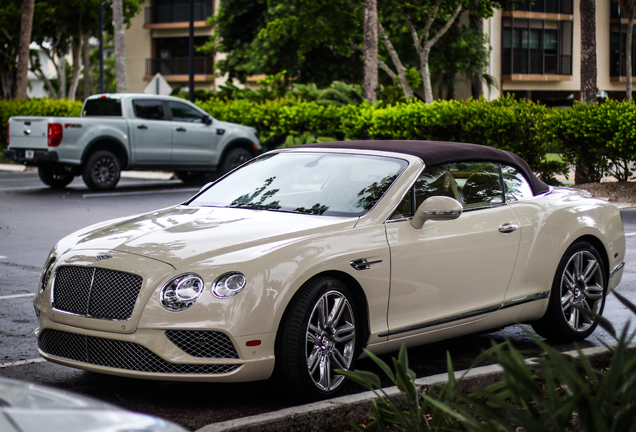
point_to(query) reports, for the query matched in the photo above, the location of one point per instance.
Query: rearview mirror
(437, 208)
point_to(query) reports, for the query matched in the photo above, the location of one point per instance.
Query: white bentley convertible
(302, 257)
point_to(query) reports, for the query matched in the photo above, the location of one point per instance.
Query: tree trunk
(426, 77)
(370, 49)
(77, 49)
(61, 76)
(588, 50)
(401, 72)
(121, 73)
(85, 62)
(476, 81)
(628, 52)
(26, 25)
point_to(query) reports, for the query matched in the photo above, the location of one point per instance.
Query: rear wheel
(319, 335)
(55, 176)
(580, 282)
(233, 159)
(102, 171)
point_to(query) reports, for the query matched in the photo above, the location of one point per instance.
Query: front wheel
(101, 171)
(233, 159)
(319, 335)
(580, 283)
(55, 176)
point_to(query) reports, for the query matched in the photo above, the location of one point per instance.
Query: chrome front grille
(95, 292)
(203, 343)
(118, 354)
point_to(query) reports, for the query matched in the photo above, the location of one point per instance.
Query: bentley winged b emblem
(100, 257)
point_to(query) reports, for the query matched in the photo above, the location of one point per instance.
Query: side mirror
(437, 208)
(207, 120)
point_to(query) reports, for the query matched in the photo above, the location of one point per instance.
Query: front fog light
(229, 284)
(181, 292)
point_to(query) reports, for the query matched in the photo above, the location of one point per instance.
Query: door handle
(508, 228)
(180, 129)
(142, 127)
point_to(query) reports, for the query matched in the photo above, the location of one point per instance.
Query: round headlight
(181, 292)
(46, 275)
(229, 284)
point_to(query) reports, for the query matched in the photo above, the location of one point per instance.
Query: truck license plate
(28, 154)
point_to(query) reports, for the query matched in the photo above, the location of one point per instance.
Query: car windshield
(327, 184)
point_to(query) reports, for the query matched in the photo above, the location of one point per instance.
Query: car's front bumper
(149, 354)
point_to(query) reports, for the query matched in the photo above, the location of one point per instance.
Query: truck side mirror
(207, 120)
(437, 208)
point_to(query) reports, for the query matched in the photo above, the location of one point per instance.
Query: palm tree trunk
(26, 25)
(628, 52)
(121, 73)
(370, 49)
(85, 62)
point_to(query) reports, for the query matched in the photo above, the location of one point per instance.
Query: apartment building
(157, 42)
(535, 49)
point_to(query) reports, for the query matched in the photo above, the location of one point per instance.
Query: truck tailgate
(28, 133)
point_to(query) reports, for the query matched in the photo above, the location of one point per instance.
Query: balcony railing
(546, 6)
(177, 13)
(179, 66)
(536, 64)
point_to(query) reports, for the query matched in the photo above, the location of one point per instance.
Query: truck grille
(96, 292)
(117, 354)
(203, 343)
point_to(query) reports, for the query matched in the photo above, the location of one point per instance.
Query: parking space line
(16, 296)
(138, 193)
(630, 234)
(22, 362)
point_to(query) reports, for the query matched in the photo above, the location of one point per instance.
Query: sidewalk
(143, 175)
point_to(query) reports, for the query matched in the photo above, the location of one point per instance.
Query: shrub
(566, 394)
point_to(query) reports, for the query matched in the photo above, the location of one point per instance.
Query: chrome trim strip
(525, 299)
(470, 314)
(441, 212)
(616, 269)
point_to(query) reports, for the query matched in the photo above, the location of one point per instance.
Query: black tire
(101, 171)
(233, 159)
(193, 177)
(307, 340)
(55, 176)
(581, 279)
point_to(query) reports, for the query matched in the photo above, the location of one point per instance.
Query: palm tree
(120, 47)
(628, 7)
(370, 49)
(25, 39)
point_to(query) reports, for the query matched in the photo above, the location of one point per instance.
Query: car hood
(181, 235)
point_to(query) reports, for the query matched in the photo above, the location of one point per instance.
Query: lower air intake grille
(203, 343)
(117, 354)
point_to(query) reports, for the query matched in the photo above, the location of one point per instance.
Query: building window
(536, 47)
(172, 57)
(174, 11)
(546, 6)
(618, 57)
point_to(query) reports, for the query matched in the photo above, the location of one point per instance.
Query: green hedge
(598, 137)
(35, 107)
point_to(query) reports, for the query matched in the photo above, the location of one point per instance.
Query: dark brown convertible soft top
(440, 152)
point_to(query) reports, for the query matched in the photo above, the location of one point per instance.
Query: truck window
(105, 107)
(149, 109)
(185, 113)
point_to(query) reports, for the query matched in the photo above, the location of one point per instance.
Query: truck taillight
(55, 134)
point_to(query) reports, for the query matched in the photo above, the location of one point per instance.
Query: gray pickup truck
(132, 132)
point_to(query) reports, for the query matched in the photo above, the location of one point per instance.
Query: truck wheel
(55, 176)
(101, 171)
(234, 158)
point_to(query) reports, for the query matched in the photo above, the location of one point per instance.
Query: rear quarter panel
(550, 224)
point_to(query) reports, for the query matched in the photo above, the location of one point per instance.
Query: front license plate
(28, 154)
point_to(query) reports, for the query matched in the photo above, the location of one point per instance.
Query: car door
(151, 131)
(452, 271)
(194, 141)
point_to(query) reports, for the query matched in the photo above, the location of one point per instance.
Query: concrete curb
(325, 415)
(143, 175)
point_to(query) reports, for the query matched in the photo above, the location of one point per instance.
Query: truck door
(151, 131)
(193, 140)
